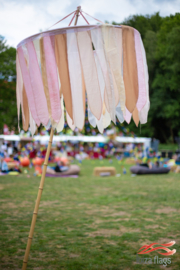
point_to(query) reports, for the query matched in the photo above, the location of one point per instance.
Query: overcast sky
(22, 18)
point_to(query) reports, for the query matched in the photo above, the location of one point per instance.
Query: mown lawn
(89, 222)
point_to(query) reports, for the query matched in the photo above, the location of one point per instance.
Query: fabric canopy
(60, 70)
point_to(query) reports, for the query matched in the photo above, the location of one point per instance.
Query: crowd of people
(15, 151)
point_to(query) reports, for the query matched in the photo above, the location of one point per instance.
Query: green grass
(90, 222)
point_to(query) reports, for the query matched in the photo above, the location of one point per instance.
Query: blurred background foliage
(161, 38)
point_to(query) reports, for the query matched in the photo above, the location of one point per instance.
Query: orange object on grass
(8, 159)
(38, 170)
(37, 161)
(25, 162)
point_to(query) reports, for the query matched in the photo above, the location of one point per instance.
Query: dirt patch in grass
(110, 242)
(165, 210)
(149, 219)
(73, 255)
(110, 232)
(48, 203)
(152, 226)
(9, 205)
(118, 214)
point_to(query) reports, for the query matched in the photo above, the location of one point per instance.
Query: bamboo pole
(77, 15)
(33, 223)
(30, 237)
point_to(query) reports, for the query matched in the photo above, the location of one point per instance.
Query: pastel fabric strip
(60, 125)
(127, 116)
(27, 84)
(113, 52)
(90, 73)
(119, 113)
(130, 68)
(62, 64)
(118, 37)
(135, 116)
(106, 119)
(19, 88)
(52, 79)
(37, 85)
(25, 110)
(143, 114)
(32, 123)
(140, 68)
(99, 122)
(44, 75)
(74, 65)
(70, 122)
(91, 118)
(36, 43)
(97, 39)
(100, 77)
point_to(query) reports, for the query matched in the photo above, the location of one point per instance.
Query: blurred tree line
(8, 108)
(161, 38)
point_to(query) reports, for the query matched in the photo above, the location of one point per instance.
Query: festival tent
(59, 71)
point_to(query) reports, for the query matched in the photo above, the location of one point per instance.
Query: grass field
(89, 222)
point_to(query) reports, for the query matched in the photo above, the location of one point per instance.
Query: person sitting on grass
(4, 166)
(60, 168)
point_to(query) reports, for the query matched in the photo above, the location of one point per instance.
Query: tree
(8, 109)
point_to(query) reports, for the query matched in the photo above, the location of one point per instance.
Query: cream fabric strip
(143, 114)
(90, 73)
(75, 80)
(27, 84)
(60, 125)
(140, 68)
(105, 118)
(70, 122)
(37, 85)
(113, 47)
(32, 123)
(52, 78)
(97, 40)
(111, 54)
(122, 96)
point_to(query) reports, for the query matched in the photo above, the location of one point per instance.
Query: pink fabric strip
(140, 69)
(127, 116)
(37, 85)
(52, 78)
(27, 84)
